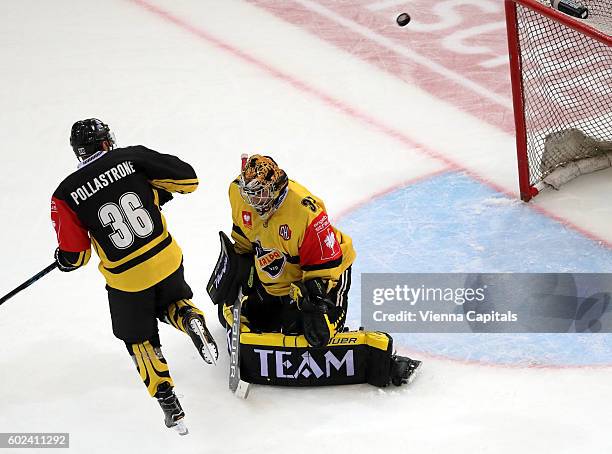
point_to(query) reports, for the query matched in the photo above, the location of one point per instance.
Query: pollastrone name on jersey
(103, 180)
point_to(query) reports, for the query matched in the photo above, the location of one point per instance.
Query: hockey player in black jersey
(113, 202)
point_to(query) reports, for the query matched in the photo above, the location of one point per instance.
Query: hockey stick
(239, 387)
(29, 282)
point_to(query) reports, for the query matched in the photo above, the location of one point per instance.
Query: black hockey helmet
(87, 136)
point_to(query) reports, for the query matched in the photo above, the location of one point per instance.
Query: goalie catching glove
(312, 300)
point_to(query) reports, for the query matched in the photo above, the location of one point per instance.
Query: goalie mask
(263, 185)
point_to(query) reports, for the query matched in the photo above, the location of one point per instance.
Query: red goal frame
(527, 190)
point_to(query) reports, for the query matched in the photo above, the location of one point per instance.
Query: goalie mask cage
(561, 73)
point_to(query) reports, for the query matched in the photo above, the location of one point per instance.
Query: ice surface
(347, 115)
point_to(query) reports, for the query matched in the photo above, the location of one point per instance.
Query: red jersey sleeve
(320, 248)
(71, 235)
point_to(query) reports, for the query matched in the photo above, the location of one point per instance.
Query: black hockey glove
(311, 299)
(62, 264)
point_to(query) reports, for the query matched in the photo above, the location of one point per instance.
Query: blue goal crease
(452, 223)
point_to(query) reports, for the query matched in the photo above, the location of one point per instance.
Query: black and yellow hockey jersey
(113, 202)
(296, 243)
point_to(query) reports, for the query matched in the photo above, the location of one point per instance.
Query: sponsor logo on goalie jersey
(327, 238)
(285, 364)
(270, 261)
(247, 219)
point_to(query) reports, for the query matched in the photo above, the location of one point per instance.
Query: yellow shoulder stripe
(171, 180)
(180, 186)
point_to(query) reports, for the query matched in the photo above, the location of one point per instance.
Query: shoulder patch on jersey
(327, 237)
(285, 232)
(247, 219)
(320, 248)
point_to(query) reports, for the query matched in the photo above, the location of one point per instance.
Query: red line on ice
(431, 45)
(390, 189)
(420, 354)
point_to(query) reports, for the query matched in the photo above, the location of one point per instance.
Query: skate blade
(209, 351)
(210, 354)
(242, 391)
(414, 374)
(181, 428)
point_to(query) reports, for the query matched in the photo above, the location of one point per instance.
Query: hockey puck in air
(403, 19)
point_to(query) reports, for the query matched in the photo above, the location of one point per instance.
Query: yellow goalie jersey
(296, 243)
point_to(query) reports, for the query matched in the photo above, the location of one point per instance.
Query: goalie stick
(239, 387)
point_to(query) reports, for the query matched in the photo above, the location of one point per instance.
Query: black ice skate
(172, 409)
(196, 328)
(403, 370)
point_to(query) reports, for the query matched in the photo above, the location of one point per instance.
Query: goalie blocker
(350, 357)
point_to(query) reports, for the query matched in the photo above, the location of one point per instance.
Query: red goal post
(561, 74)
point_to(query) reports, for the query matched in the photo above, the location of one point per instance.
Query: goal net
(561, 69)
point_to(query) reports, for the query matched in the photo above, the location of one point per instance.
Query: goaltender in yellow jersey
(293, 268)
(297, 243)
